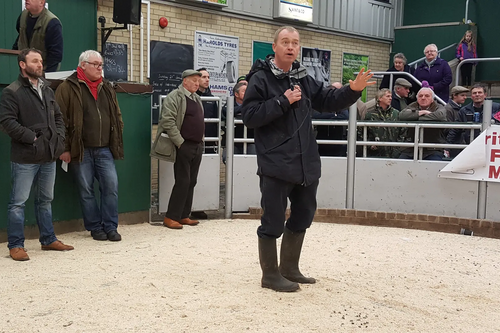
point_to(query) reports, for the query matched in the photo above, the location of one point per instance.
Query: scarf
(93, 85)
(297, 71)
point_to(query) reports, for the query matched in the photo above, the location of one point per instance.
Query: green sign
(352, 63)
(260, 50)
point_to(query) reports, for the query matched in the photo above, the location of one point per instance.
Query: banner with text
(352, 63)
(301, 10)
(480, 160)
(219, 54)
(317, 63)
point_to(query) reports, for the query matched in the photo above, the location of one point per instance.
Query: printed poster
(352, 63)
(301, 10)
(215, 2)
(219, 55)
(317, 63)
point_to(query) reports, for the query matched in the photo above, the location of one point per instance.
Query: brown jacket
(69, 98)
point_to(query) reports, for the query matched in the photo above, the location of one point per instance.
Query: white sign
(219, 54)
(301, 10)
(478, 161)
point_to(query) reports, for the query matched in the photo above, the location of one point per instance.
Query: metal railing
(437, 98)
(416, 62)
(352, 142)
(467, 61)
(417, 140)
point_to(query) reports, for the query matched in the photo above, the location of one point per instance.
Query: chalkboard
(115, 62)
(168, 61)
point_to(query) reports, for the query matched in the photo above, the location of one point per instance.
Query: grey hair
(85, 56)
(399, 56)
(381, 93)
(434, 46)
(426, 88)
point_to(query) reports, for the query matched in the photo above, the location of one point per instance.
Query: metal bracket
(106, 32)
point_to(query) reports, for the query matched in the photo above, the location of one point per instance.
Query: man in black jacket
(278, 104)
(31, 117)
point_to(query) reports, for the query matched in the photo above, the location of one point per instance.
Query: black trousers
(274, 202)
(186, 167)
(466, 73)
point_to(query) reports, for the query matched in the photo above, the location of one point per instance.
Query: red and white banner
(479, 161)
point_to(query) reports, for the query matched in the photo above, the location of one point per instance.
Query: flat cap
(403, 82)
(458, 90)
(189, 72)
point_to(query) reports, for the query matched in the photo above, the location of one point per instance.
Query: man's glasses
(96, 65)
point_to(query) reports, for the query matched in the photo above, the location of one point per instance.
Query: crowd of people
(276, 101)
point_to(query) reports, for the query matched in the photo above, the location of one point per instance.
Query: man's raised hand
(361, 81)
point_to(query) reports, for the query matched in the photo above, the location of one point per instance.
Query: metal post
(228, 212)
(351, 157)
(483, 186)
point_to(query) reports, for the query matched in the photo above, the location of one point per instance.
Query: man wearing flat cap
(180, 140)
(458, 96)
(400, 94)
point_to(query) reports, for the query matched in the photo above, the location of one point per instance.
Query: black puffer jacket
(24, 116)
(284, 137)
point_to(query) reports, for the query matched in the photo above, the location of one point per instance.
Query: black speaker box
(127, 11)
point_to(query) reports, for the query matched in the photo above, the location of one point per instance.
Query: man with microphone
(278, 104)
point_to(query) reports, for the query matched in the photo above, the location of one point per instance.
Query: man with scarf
(278, 104)
(94, 138)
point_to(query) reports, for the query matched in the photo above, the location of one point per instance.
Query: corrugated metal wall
(365, 17)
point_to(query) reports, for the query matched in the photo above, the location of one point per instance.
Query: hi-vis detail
(479, 161)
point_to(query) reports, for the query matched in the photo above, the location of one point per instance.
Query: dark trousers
(186, 168)
(466, 73)
(274, 202)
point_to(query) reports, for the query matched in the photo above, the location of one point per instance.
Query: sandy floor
(207, 279)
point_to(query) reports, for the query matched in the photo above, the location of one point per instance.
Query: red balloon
(163, 22)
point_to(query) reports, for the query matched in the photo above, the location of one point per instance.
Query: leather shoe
(188, 221)
(169, 223)
(199, 215)
(57, 246)
(114, 236)
(19, 254)
(99, 235)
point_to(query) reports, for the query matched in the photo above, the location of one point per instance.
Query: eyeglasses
(96, 65)
(430, 51)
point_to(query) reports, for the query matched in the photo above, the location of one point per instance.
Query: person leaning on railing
(425, 109)
(384, 112)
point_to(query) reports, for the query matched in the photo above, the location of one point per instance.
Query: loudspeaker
(127, 11)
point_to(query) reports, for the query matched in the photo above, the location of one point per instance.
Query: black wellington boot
(271, 277)
(290, 255)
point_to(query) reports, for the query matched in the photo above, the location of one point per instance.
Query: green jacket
(431, 135)
(384, 134)
(69, 98)
(38, 38)
(172, 114)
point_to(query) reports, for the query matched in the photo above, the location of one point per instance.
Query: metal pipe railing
(351, 157)
(466, 61)
(228, 210)
(409, 76)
